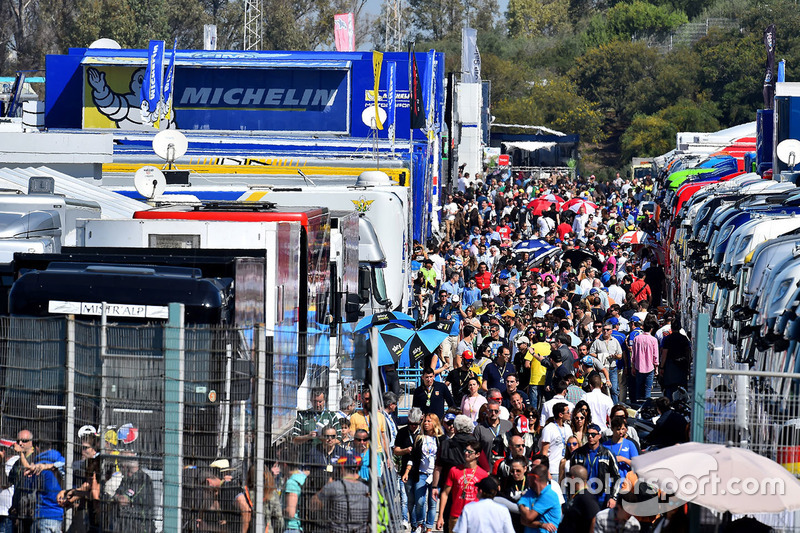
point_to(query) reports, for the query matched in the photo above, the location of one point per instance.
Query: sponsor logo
(257, 97)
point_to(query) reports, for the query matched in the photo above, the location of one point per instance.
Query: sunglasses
(329, 437)
(495, 411)
(579, 417)
(23, 440)
(572, 444)
(361, 440)
(593, 434)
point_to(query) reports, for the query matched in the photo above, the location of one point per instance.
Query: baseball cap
(587, 360)
(449, 418)
(488, 485)
(555, 355)
(510, 313)
(614, 321)
(595, 427)
(593, 291)
(521, 423)
(522, 339)
(467, 354)
(635, 318)
(350, 459)
(504, 275)
(455, 299)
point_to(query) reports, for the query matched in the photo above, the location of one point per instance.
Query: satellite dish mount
(169, 145)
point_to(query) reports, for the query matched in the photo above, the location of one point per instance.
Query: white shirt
(556, 436)
(617, 293)
(7, 495)
(482, 516)
(547, 408)
(600, 404)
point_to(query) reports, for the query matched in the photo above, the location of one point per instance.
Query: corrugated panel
(113, 205)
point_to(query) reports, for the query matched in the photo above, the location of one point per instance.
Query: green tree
(607, 74)
(437, 19)
(554, 103)
(647, 136)
(531, 18)
(636, 19)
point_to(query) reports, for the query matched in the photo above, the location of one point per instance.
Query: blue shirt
(470, 296)
(451, 312)
(626, 449)
(546, 504)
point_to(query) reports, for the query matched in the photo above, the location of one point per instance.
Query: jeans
(613, 376)
(6, 525)
(405, 488)
(423, 493)
(644, 385)
(46, 525)
(535, 393)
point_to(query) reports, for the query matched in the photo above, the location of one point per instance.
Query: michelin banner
(302, 100)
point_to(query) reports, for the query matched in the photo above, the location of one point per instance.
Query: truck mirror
(364, 284)
(352, 307)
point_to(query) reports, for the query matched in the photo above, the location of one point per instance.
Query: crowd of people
(522, 417)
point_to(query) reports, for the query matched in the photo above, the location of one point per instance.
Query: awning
(529, 146)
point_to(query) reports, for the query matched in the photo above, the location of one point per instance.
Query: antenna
(306, 178)
(170, 145)
(788, 151)
(368, 118)
(149, 181)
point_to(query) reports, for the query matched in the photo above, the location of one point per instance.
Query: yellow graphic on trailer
(112, 98)
(362, 205)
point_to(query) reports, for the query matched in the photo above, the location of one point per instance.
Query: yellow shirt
(359, 421)
(538, 371)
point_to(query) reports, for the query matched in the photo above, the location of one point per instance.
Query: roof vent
(373, 178)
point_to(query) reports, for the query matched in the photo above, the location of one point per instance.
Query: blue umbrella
(387, 317)
(392, 340)
(425, 341)
(531, 245)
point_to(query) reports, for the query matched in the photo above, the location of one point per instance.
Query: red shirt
(563, 229)
(483, 281)
(463, 482)
(640, 290)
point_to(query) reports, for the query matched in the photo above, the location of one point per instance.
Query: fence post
(374, 434)
(699, 385)
(173, 418)
(70, 430)
(261, 430)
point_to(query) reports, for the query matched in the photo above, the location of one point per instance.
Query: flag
(377, 60)
(344, 34)
(391, 88)
(169, 81)
(470, 57)
(769, 75)
(415, 90)
(151, 87)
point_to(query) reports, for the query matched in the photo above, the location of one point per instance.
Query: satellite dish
(373, 177)
(788, 151)
(368, 116)
(109, 44)
(149, 182)
(170, 145)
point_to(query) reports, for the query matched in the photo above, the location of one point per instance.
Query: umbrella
(387, 317)
(634, 237)
(577, 256)
(531, 245)
(576, 203)
(425, 341)
(392, 340)
(722, 478)
(543, 254)
(552, 198)
(539, 206)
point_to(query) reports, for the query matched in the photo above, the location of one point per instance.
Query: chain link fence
(168, 428)
(686, 34)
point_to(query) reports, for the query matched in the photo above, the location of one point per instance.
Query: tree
(607, 74)
(437, 19)
(647, 136)
(636, 19)
(531, 18)
(554, 103)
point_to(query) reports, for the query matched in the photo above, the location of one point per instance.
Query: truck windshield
(379, 284)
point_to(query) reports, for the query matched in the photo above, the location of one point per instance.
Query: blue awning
(220, 60)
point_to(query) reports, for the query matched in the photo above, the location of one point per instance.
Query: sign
(151, 86)
(377, 61)
(502, 160)
(470, 57)
(119, 310)
(344, 34)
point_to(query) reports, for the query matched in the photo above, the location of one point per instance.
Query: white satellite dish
(149, 181)
(109, 44)
(788, 151)
(368, 116)
(170, 145)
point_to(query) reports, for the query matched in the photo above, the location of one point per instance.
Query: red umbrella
(539, 206)
(576, 203)
(553, 198)
(634, 237)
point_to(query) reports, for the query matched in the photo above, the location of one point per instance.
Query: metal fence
(171, 428)
(687, 34)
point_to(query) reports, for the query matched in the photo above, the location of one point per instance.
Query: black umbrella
(577, 256)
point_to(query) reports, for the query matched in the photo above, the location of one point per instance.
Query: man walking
(644, 364)
(432, 395)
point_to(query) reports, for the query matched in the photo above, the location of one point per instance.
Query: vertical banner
(427, 87)
(417, 113)
(169, 82)
(210, 37)
(470, 57)
(391, 89)
(151, 87)
(344, 32)
(377, 60)
(769, 75)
